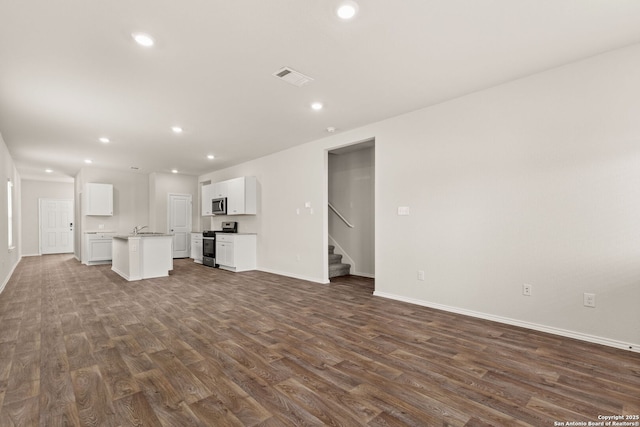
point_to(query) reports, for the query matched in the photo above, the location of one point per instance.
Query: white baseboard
(31, 255)
(295, 276)
(635, 347)
(367, 275)
(6, 280)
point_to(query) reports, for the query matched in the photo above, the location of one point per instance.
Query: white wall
(351, 192)
(536, 181)
(130, 202)
(9, 258)
(288, 243)
(32, 191)
(531, 182)
(160, 185)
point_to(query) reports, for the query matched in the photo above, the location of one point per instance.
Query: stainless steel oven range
(209, 242)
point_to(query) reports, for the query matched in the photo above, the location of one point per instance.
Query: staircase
(336, 266)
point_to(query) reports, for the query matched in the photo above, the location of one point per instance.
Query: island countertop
(144, 235)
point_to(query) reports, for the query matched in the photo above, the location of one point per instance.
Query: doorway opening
(351, 210)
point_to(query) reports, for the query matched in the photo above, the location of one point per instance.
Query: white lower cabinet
(236, 252)
(196, 247)
(98, 248)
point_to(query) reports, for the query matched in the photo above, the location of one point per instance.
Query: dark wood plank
(168, 405)
(132, 354)
(228, 393)
(92, 398)
(23, 413)
(64, 415)
(79, 351)
(57, 397)
(134, 410)
(71, 323)
(146, 340)
(213, 412)
(10, 330)
(183, 351)
(320, 381)
(7, 350)
(80, 346)
(324, 409)
(116, 374)
(181, 378)
(97, 335)
(24, 379)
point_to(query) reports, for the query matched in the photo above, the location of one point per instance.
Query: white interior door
(180, 223)
(56, 226)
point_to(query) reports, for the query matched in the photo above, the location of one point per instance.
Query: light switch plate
(403, 210)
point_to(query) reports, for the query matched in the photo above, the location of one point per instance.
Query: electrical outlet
(420, 274)
(589, 300)
(403, 210)
(526, 290)
(100, 226)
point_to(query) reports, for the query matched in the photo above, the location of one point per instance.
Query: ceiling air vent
(292, 77)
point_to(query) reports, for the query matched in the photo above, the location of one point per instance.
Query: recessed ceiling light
(174, 170)
(211, 157)
(347, 10)
(48, 170)
(103, 140)
(176, 129)
(88, 161)
(317, 106)
(143, 39)
(331, 129)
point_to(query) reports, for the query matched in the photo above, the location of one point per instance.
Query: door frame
(190, 216)
(41, 201)
(369, 140)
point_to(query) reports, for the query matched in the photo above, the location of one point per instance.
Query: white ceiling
(71, 73)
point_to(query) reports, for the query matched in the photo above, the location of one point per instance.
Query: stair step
(331, 249)
(335, 258)
(341, 269)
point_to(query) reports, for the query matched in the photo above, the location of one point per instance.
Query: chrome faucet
(138, 228)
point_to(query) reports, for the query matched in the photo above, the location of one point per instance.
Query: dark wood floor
(79, 346)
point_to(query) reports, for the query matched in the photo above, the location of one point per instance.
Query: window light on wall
(10, 213)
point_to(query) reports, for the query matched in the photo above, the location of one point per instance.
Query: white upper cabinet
(241, 196)
(98, 199)
(207, 195)
(219, 190)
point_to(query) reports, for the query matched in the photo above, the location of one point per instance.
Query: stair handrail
(340, 216)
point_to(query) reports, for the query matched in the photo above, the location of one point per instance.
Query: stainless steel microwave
(219, 206)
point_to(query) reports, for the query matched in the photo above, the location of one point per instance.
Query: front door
(180, 223)
(56, 226)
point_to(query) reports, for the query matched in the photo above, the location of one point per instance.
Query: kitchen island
(143, 255)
